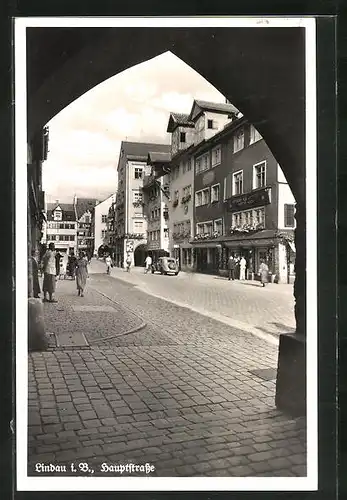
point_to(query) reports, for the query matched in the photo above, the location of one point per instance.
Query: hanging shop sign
(249, 200)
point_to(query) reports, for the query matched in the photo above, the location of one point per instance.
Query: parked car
(165, 265)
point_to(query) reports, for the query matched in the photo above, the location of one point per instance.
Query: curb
(128, 332)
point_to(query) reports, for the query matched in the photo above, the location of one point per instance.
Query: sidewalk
(189, 395)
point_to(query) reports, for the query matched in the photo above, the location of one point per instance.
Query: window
(254, 135)
(57, 215)
(216, 156)
(137, 196)
(218, 227)
(208, 228)
(189, 164)
(248, 217)
(72, 237)
(289, 215)
(259, 216)
(166, 232)
(206, 196)
(182, 137)
(239, 140)
(198, 199)
(138, 225)
(103, 233)
(202, 197)
(215, 193)
(210, 124)
(61, 226)
(237, 219)
(138, 173)
(187, 191)
(87, 219)
(202, 163)
(238, 182)
(200, 229)
(104, 219)
(259, 175)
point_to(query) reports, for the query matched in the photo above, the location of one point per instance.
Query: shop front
(207, 257)
(263, 246)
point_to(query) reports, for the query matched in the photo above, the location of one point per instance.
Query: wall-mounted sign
(208, 178)
(249, 200)
(130, 246)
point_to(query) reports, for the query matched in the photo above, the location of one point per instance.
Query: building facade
(102, 221)
(130, 224)
(243, 205)
(84, 208)
(156, 194)
(188, 134)
(61, 227)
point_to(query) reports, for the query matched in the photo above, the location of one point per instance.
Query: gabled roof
(200, 106)
(142, 148)
(178, 119)
(68, 211)
(155, 157)
(83, 205)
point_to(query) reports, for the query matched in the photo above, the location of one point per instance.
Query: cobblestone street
(244, 304)
(161, 384)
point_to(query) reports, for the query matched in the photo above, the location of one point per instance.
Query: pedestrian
(243, 265)
(63, 265)
(108, 262)
(128, 262)
(81, 272)
(50, 270)
(72, 264)
(35, 274)
(148, 263)
(231, 267)
(264, 273)
(57, 264)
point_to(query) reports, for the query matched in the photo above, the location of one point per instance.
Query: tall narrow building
(130, 229)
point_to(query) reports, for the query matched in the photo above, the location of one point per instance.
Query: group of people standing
(52, 265)
(237, 269)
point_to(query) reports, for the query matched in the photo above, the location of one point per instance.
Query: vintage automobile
(165, 265)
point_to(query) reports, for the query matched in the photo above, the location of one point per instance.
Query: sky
(85, 137)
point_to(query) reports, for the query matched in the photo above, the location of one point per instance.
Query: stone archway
(140, 253)
(260, 70)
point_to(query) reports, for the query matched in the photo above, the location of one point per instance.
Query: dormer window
(57, 215)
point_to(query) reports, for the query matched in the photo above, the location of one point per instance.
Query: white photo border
(23, 481)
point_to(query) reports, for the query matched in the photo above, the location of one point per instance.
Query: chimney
(75, 200)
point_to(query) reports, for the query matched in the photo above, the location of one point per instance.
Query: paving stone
(87, 415)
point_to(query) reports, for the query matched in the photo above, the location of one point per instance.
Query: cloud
(85, 137)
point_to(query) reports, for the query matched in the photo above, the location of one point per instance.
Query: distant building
(61, 226)
(130, 225)
(84, 209)
(101, 221)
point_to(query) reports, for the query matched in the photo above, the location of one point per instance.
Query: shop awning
(206, 244)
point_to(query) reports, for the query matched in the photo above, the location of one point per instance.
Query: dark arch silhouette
(260, 70)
